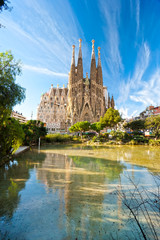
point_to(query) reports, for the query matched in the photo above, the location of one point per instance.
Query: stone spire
(99, 69)
(99, 57)
(93, 73)
(93, 64)
(73, 55)
(93, 52)
(109, 101)
(80, 64)
(80, 49)
(72, 70)
(112, 102)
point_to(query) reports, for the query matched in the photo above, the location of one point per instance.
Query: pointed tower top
(80, 50)
(99, 57)
(93, 53)
(51, 85)
(93, 41)
(80, 40)
(73, 55)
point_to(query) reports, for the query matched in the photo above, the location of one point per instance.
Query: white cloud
(136, 81)
(141, 65)
(149, 92)
(49, 33)
(44, 71)
(124, 111)
(111, 11)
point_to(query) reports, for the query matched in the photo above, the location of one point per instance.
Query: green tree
(153, 123)
(10, 92)
(135, 125)
(97, 126)
(33, 130)
(80, 127)
(111, 118)
(11, 136)
(10, 95)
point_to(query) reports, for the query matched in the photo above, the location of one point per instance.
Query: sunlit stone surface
(70, 192)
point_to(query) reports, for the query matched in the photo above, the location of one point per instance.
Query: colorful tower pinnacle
(93, 52)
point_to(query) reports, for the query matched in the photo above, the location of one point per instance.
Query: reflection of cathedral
(85, 99)
(82, 193)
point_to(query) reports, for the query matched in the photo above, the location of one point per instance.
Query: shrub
(57, 137)
(119, 135)
(133, 142)
(11, 137)
(33, 130)
(111, 142)
(140, 139)
(154, 142)
(105, 136)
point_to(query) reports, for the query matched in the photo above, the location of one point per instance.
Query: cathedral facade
(85, 99)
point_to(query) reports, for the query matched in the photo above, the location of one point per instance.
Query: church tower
(86, 99)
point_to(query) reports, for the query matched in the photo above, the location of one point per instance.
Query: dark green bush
(11, 136)
(120, 136)
(33, 130)
(140, 139)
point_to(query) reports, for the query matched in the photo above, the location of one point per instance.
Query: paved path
(21, 149)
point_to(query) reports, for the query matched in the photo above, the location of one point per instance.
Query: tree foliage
(80, 127)
(11, 133)
(97, 126)
(33, 130)
(111, 118)
(11, 136)
(135, 125)
(153, 123)
(10, 92)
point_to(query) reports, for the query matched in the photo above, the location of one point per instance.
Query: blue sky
(41, 33)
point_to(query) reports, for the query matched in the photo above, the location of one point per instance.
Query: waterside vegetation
(11, 133)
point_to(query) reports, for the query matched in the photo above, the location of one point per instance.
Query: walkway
(21, 149)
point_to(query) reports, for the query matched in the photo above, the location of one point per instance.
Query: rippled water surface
(70, 192)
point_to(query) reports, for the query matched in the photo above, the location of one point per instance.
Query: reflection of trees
(143, 156)
(112, 169)
(83, 183)
(13, 179)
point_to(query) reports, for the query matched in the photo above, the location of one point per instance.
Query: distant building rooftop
(18, 116)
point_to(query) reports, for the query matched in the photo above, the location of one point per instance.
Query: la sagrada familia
(85, 99)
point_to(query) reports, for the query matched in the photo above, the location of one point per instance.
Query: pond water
(70, 192)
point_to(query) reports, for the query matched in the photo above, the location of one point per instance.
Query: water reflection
(144, 156)
(84, 190)
(51, 195)
(12, 180)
